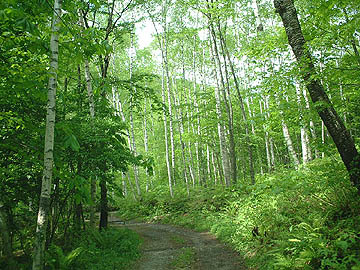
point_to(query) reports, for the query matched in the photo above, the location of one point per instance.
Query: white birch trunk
(44, 205)
(214, 168)
(289, 144)
(181, 132)
(146, 145)
(271, 142)
(311, 122)
(251, 115)
(305, 144)
(166, 137)
(288, 139)
(266, 138)
(259, 25)
(121, 112)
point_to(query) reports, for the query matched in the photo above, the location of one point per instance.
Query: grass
(178, 240)
(184, 260)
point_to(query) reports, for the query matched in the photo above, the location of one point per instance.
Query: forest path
(169, 247)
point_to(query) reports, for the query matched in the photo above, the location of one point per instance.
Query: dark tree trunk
(103, 205)
(325, 109)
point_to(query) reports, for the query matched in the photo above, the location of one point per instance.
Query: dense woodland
(241, 117)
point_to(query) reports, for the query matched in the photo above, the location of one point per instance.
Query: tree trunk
(243, 112)
(6, 247)
(305, 145)
(38, 260)
(289, 144)
(92, 115)
(146, 145)
(166, 140)
(311, 122)
(179, 118)
(221, 131)
(103, 204)
(132, 133)
(326, 111)
(227, 102)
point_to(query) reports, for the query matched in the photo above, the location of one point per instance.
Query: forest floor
(169, 247)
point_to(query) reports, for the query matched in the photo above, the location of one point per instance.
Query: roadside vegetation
(110, 249)
(306, 219)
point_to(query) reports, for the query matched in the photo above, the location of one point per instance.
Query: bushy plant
(109, 249)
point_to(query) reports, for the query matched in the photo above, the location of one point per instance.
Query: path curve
(163, 244)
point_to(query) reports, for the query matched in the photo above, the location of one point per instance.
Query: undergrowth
(111, 249)
(305, 219)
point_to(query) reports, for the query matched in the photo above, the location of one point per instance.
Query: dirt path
(171, 248)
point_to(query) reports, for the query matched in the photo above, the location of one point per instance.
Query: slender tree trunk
(44, 205)
(198, 147)
(208, 161)
(190, 124)
(121, 112)
(259, 24)
(103, 204)
(146, 145)
(6, 241)
(166, 142)
(92, 115)
(266, 138)
(269, 144)
(214, 168)
(311, 122)
(227, 102)
(259, 157)
(221, 132)
(325, 109)
(132, 127)
(181, 132)
(305, 145)
(289, 144)
(243, 112)
(169, 94)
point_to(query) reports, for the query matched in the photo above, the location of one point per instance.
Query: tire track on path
(163, 243)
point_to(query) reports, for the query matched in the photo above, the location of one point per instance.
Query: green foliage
(110, 249)
(306, 219)
(57, 260)
(184, 259)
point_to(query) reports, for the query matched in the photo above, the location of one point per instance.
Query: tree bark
(289, 143)
(44, 204)
(6, 247)
(335, 126)
(103, 204)
(305, 145)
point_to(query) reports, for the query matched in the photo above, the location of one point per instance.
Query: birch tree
(44, 204)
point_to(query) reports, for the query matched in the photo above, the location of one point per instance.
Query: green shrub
(109, 249)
